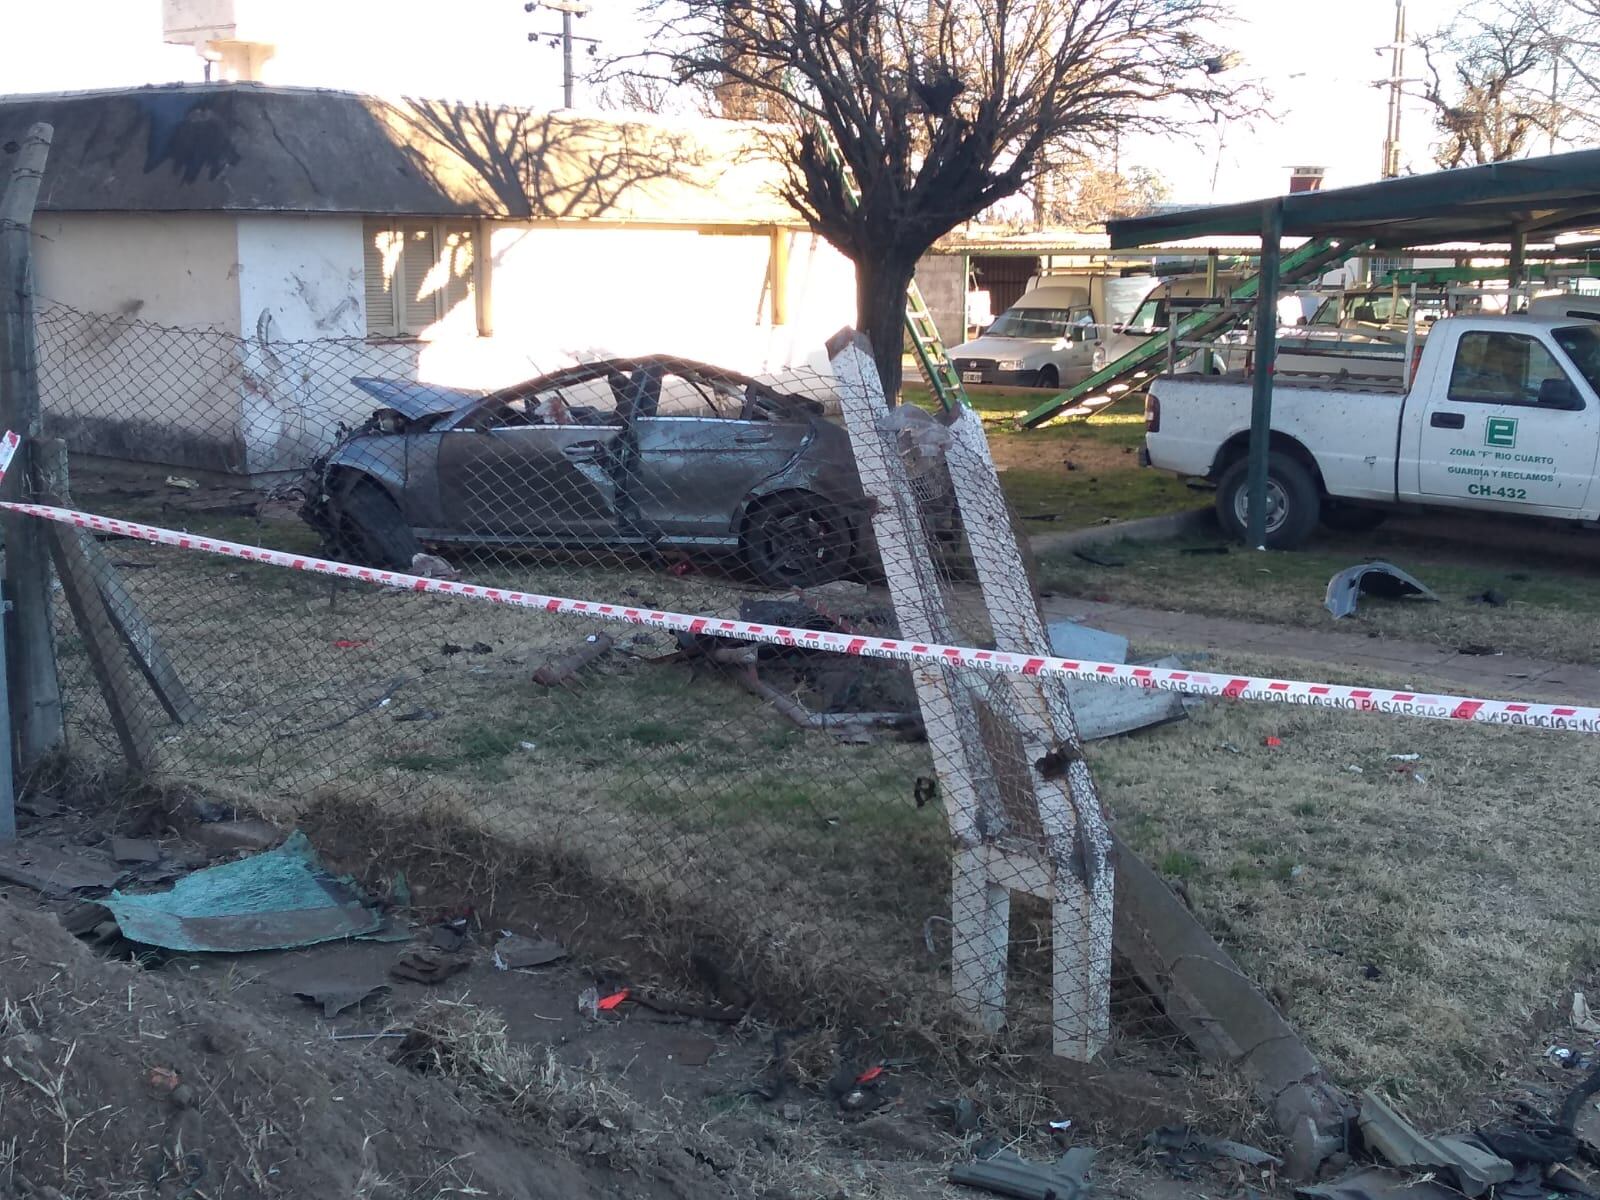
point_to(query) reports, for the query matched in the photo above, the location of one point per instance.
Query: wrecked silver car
(650, 453)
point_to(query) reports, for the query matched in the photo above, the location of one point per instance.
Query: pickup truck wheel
(370, 525)
(1293, 503)
(1351, 518)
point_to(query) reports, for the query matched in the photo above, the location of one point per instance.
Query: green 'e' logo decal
(1500, 431)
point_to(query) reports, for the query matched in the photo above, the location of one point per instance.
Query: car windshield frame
(1032, 328)
(1584, 359)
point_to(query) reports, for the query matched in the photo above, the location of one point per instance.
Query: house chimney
(1305, 179)
(231, 35)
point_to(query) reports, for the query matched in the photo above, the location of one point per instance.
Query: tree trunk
(881, 315)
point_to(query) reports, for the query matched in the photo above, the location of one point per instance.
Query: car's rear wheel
(369, 527)
(797, 539)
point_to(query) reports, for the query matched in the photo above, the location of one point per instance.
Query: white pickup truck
(1503, 414)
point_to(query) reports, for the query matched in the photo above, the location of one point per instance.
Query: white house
(317, 235)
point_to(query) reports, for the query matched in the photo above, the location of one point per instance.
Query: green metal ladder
(943, 379)
(1147, 359)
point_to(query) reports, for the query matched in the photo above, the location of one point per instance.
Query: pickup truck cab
(1503, 414)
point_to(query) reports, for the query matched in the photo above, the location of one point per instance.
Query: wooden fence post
(35, 690)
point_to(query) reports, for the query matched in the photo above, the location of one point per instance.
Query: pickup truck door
(1505, 424)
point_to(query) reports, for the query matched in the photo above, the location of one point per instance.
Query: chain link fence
(774, 816)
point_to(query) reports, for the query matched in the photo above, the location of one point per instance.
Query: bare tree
(1501, 74)
(1089, 192)
(939, 108)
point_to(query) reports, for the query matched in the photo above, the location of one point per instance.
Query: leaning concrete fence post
(1023, 811)
(34, 689)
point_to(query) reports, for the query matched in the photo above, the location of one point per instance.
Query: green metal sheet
(270, 901)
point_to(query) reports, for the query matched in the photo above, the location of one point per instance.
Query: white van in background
(1053, 336)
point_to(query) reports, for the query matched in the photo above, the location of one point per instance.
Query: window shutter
(419, 260)
(380, 261)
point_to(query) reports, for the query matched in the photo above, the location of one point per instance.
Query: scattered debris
(1206, 550)
(1405, 758)
(1272, 742)
(182, 483)
(1478, 650)
(529, 746)
(1490, 597)
(1380, 579)
(135, 850)
(1184, 1144)
(1352, 769)
(1583, 1019)
(56, 870)
(271, 901)
(424, 964)
(612, 1002)
(248, 833)
(418, 714)
(961, 1112)
(351, 643)
(1007, 1173)
(431, 566)
(1060, 1126)
(514, 952)
(328, 982)
(564, 670)
(1376, 1183)
(163, 1079)
(1098, 560)
(1474, 1168)
(1229, 747)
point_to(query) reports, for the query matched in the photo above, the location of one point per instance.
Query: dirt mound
(120, 1081)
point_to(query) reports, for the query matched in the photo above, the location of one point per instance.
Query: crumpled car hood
(415, 400)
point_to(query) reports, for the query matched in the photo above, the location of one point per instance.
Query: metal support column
(1266, 338)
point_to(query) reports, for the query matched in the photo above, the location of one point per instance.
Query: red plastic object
(868, 1075)
(613, 1001)
(1272, 741)
(351, 643)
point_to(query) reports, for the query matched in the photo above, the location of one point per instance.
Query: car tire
(1351, 518)
(797, 539)
(1049, 377)
(369, 526)
(1294, 503)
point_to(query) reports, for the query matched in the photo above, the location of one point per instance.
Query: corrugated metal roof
(1533, 196)
(231, 147)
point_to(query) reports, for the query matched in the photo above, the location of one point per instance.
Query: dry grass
(1472, 894)
(809, 860)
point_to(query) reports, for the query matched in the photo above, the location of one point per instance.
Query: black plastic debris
(961, 1112)
(1189, 1145)
(1383, 580)
(1375, 1183)
(515, 952)
(1490, 597)
(1009, 1174)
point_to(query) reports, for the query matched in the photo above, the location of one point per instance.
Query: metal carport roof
(1499, 202)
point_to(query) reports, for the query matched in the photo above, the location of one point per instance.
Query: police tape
(1233, 687)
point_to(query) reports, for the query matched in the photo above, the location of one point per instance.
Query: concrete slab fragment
(1068, 639)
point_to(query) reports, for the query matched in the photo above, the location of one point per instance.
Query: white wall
(167, 268)
(113, 379)
(117, 383)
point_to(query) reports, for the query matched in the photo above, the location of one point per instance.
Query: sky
(1324, 110)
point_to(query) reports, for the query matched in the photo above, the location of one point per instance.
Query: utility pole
(1397, 64)
(568, 9)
